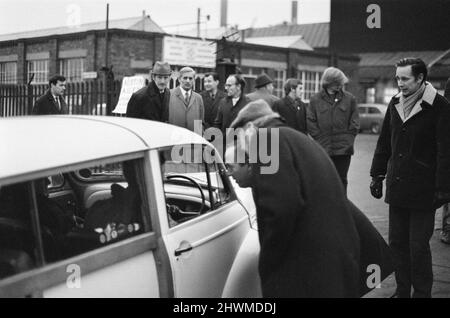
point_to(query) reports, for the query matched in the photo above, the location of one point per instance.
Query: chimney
(294, 12)
(223, 12)
(143, 20)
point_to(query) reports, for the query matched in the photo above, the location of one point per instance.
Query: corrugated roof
(135, 23)
(290, 41)
(315, 34)
(390, 58)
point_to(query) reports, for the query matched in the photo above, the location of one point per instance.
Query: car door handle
(185, 248)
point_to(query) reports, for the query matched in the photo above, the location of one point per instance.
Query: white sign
(189, 52)
(88, 75)
(130, 85)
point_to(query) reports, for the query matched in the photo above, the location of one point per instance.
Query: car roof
(34, 143)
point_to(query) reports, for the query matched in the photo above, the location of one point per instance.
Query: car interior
(82, 210)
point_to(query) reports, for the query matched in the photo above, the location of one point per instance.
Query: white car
(119, 207)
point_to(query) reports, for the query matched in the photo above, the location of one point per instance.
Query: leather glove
(440, 198)
(376, 187)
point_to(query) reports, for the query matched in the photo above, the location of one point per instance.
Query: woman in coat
(333, 120)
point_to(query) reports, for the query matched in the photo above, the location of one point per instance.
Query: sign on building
(189, 52)
(130, 85)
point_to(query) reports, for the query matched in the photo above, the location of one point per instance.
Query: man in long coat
(152, 102)
(186, 106)
(314, 242)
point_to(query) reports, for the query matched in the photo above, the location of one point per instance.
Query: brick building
(135, 43)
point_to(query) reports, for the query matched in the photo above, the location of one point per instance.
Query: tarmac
(441, 268)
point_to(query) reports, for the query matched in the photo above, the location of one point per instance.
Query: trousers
(410, 231)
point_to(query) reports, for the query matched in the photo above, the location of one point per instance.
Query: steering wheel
(195, 183)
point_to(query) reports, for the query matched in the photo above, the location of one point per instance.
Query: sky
(26, 15)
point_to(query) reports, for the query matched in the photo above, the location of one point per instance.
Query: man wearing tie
(52, 102)
(212, 96)
(186, 106)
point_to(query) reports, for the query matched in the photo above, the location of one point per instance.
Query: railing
(86, 98)
(82, 98)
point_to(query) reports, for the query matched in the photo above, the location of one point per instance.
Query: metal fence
(82, 98)
(87, 98)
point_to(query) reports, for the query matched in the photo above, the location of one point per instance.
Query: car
(371, 117)
(104, 206)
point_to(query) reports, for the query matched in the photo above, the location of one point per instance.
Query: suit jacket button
(397, 178)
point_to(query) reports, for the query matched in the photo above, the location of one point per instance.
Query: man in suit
(291, 108)
(186, 106)
(152, 102)
(264, 90)
(211, 97)
(52, 102)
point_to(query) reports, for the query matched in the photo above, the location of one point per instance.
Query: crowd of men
(314, 241)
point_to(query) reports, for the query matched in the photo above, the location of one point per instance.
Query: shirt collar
(184, 91)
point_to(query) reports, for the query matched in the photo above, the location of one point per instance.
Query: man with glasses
(232, 104)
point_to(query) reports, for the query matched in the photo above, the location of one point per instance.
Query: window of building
(40, 70)
(389, 92)
(72, 69)
(280, 78)
(370, 95)
(311, 83)
(8, 73)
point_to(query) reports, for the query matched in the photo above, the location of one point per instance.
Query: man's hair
(291, 83)
(186, 69)
(239, 80)
(213, 74)
(55, 78)
(418, 66)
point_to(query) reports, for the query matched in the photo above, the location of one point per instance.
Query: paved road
(377, 212)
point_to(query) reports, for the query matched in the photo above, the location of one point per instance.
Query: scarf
(409, 101)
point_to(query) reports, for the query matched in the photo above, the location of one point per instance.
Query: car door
(202, 248)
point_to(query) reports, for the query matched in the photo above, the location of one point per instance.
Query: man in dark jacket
(152, 102)
(413, 152)
(212, 96)
(291, 108)
(230, 106)
(309, 241)
(52, 102)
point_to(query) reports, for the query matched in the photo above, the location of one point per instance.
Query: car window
(374, 110)
(192, 186)
(82, 217)
(362, 110)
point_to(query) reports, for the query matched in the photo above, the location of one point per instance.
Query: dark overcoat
(148, 103)
(293, 111)
(227, 112)
(211, 106)
(47, 105)
(309, 242)
(414, 154)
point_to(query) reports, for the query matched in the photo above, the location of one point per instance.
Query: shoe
(445, 237)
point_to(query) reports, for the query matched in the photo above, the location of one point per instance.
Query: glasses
(229, 85)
